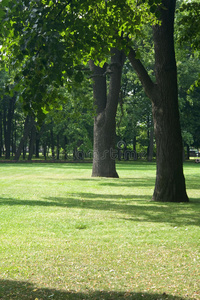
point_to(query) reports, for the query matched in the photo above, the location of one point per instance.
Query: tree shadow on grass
(136, 208)
(20, 290)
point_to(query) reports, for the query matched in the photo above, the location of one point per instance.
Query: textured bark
(170, 181)
(104, 152)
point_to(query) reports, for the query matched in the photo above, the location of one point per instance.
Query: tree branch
(148, 84)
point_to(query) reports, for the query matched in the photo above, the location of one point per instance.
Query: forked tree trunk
(170, 181)
(104, 153)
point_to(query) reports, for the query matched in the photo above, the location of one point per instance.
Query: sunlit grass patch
(65, 235)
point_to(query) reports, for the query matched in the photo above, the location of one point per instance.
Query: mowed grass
(65, 235)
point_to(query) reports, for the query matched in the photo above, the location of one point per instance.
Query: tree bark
(106, 107)
(170, 181)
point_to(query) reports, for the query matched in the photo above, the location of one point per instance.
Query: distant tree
(105, 124)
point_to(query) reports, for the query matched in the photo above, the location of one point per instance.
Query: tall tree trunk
(170, 181)
(104, 123)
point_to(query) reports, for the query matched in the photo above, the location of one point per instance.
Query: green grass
(65, 235)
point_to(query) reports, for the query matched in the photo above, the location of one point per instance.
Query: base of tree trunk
(170, 199)
(104, 169)
(170, 191)
(114, 175)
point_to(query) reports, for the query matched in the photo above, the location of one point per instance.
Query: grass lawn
(65, 235)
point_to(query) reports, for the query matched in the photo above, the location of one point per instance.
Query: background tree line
(68, 130)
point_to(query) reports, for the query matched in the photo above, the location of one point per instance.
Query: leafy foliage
(48, 40)
(189, 25)
(189, 29)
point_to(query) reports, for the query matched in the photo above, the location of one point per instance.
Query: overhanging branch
(147, 83)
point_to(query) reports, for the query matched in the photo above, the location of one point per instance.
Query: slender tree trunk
(170, 181)
(57, 147)
(37, 145)
(5, 129)
(13, 136)
(104, 123)
(32, 142)
(52, 144)
(24, 151)
(29, 122)
(188, 152)
(7, 120)
(37, 141)
(45, 151)
(65, 146)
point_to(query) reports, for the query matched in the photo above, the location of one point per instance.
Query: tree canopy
(46, 42)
